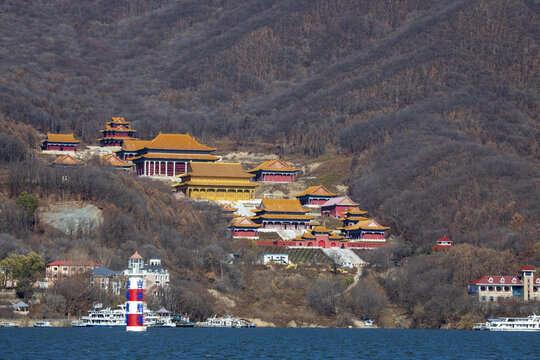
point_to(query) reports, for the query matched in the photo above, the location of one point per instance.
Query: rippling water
(261, 343)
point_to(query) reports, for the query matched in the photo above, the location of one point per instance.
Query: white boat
(530, 323)
(368, 322)
(222, 322)
(108, 317)
(44, 323)
(103, 317)
(7, 324)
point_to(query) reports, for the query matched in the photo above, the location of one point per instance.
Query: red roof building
(442, 244)
(337, 207)
(60, 268)
(524, 286)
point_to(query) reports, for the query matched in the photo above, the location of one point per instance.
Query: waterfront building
(66, 161)
(155, 276)
(315, 196)
(244, 228)
(116, 131)
(274, 171)
(60, 142)
(282, 214)
(216, 181)
(491, 288)
(337, 207)
(442, 244)
(168, 155)
(115, 162)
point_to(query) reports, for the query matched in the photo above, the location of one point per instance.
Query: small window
(490, 280)
(506, 288)
(483, 298)
(498, 288)
(482, 288)
(55, 268)
(514, 281)
(64, 268)
(491, 298)
(502, 280)
(490, 288)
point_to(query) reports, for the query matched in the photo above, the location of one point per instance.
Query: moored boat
(222, 322)
(7, 324)
(43, 323)
(530, 323)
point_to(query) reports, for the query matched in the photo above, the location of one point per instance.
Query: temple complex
(170, 154)
(244, 228)
(315, 196)
(116, 131)
(216, 181)
(116, 162)
(66, 161)
(60, 142)
(337, 207)
(274, 171)
(282, 214)
(130, 148)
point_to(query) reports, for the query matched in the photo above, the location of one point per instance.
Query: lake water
(264, 343)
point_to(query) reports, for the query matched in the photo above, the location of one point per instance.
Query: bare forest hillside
(432, 105)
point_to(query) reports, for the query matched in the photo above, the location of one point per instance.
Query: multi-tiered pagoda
(116, 131)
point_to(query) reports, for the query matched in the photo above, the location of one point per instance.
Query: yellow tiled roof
(113, 160)
(282, 205)
(216, 170)
(317, 190)
(368, 224)
(176, 142)
(306, 235)
(119, 129)
(134, 145)
(355, 211)
(66, 160)
(321, 229)
(276, 165)
(282, 216)
(215, 183)
(354, 218)
(118, 120)
(244, 221)
(187, 157)
(228, 208)
(61, 138)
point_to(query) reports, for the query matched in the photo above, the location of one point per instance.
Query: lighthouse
(135, 295)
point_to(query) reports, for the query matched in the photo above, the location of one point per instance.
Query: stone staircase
(345, 257)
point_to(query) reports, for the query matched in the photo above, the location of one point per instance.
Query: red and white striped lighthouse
(135, 297)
